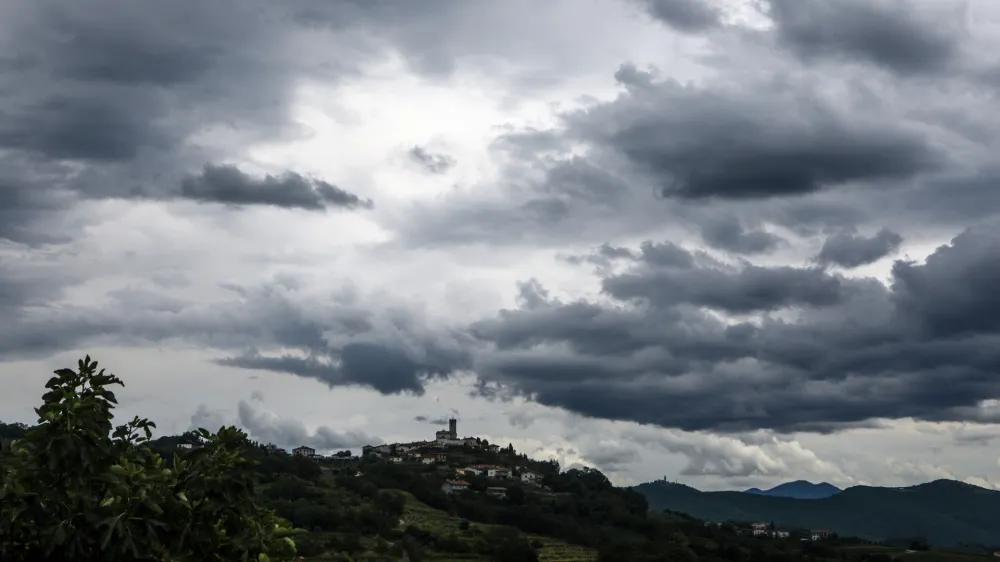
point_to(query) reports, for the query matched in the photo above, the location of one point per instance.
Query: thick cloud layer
(848, 351)
(897, 35)
(726, 185)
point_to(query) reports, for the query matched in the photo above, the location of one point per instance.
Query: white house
(396, 459)
(529, 476)
(498, 472)
(478, 469)
(454, 486)
(781, 534)
(304, 451)
(819, 534)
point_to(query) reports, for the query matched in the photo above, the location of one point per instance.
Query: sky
(729, 243)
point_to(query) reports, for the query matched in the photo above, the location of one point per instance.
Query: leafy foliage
(80, 489)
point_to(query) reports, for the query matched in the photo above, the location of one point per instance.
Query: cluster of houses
(767, 530)
(436, 452)
(426, 452)
(523, 474)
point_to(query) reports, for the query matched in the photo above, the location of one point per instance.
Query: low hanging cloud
(267, 427)
(228, 185)
(850, 249)
(759, 455)
(432, 421)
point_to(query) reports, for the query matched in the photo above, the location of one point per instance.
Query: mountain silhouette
(945, 512)
(800, 489)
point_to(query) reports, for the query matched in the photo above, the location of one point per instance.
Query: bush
(79, 489)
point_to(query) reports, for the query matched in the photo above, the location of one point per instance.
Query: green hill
(944, 512)
(202, 496)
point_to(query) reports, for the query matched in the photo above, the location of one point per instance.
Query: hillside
(205, 495)
(800, 489)
(944, 512)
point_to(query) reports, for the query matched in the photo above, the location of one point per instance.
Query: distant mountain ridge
(945, 512)
(800, 489)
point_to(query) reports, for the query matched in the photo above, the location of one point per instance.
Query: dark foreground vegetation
(76, 488)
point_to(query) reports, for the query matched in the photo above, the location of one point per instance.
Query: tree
(79, 489)
(516, 495)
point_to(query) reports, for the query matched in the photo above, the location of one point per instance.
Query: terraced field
(441, 523)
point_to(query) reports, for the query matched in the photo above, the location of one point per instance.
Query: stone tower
(453, 428)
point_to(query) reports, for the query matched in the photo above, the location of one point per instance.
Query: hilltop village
(461, 458)
(460, 461)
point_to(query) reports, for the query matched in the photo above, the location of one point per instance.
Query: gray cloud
(266, 427)
(726, 233)
(758, 454)
(667, 275)
(270, 327)
(812, 148)
(97, 107)
(700, 143)
(229, 185)
(853, 352)
(611, 457)
(429, 161)
(849, 249)
(684, 15)
(434, 421)
(897, 35)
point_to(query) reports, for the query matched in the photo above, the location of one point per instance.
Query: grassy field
(441, 523)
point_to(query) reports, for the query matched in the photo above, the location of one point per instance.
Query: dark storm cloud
(700, 143)
(849, 249)
(82, 128)
(726, 233)
(229, 185)
(271, 327)
(385, 369)
(896, 34)
(927, 347)
(431, 162)
(100, 96)
(763, 134)
(684, 15)
(104, 99)
(668, 276)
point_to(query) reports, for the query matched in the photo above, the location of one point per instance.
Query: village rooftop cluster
(446, 448)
